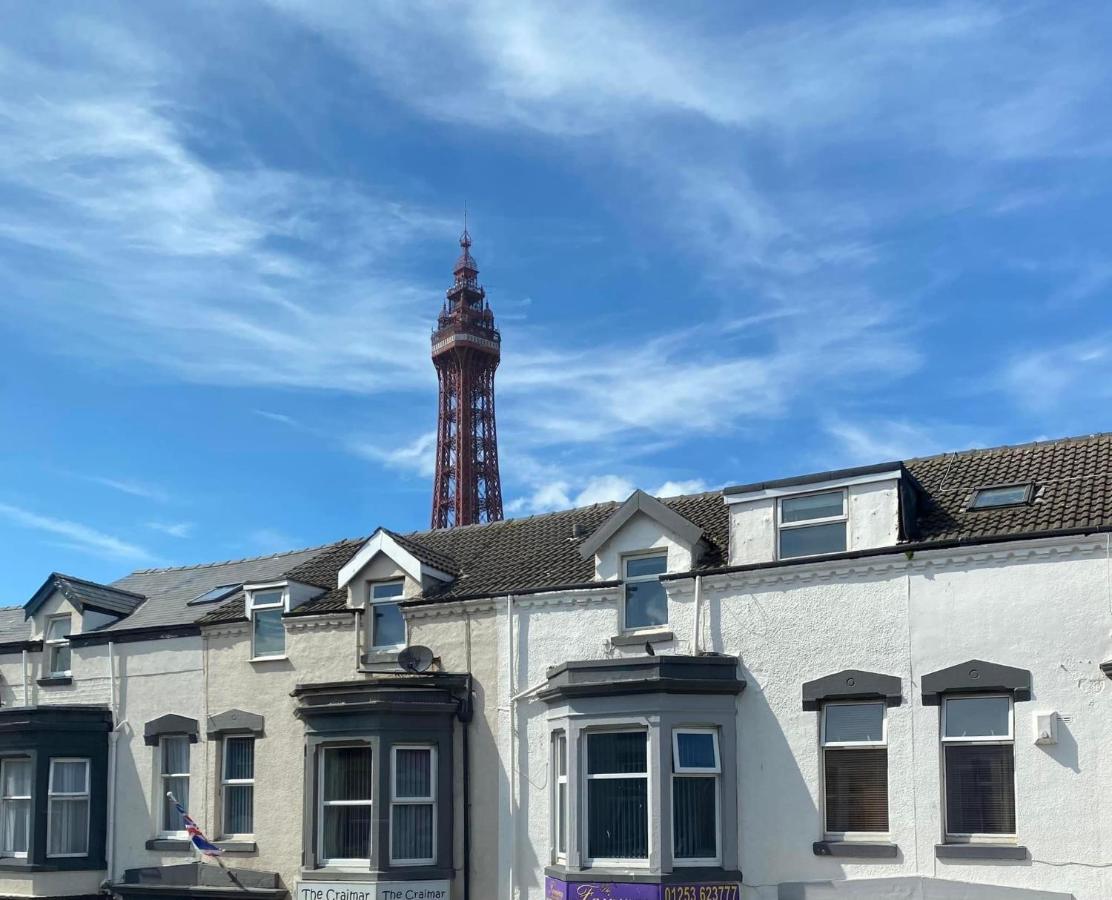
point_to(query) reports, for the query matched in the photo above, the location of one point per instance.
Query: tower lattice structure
(466, 348)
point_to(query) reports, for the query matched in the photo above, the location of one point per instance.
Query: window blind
(980, 789)
(856, 789)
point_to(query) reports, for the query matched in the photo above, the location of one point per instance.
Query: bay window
(696, 816)
(646, 601)
(812, 524)
(174, 769)
(386, 622)
(979, 765)
(413, 806)
(346, 799)
(617, 788)
(15, 805)
(68, 808)
(237, 784)
(855, 768)
(268, 634)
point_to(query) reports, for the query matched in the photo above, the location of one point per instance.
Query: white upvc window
(978, 747)
(56, 641)
(173, 751)
(344, 817)
(560, 795)
(696, 803)
(67, 815)
(645, 603)
(268, 633)
(412, 805)
(237, 782)
(15, 806)
(812, 524)
(616, 793)
(854, 738)
(386, 623)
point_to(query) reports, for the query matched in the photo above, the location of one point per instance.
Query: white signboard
(373, 890)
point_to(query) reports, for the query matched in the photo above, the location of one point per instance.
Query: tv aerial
(415, 659)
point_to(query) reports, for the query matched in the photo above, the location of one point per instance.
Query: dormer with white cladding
(815, 516)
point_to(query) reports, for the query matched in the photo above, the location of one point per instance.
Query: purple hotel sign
(554, 889)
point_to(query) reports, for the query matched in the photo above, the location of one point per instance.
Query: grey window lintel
(235, 721)
(976, 676)
(169, 725)
(852, 684)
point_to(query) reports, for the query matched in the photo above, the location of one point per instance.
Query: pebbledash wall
(1042, 605)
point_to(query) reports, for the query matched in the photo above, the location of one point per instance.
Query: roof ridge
(1073, 438)
(229, 562)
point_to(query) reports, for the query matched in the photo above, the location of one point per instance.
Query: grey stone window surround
(369, 712)
(40, 734)
(167, 725)
(235, 723)
(658, 694)
(856, 849)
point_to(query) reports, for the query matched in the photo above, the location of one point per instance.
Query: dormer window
(646, 602)
(56, 641)
(268, 634)
(386, 622)
(813, 524)
(1002, 495)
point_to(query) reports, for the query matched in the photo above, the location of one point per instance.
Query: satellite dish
(415, 658)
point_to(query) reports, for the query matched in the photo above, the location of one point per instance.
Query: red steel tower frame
(466, 348)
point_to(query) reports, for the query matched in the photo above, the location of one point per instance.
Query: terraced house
(876, 682)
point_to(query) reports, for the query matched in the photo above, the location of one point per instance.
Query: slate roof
(84, 593)
(14, 624)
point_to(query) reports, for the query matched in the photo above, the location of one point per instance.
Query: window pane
(68, 827)
(561, 817)
(1003, 496)
(618, 826)
(412, 831)
(389, 626)
(239, 803)
(175, 756)
(693, 819)
(561, 755)
(646, 565)
(977, 717)
(696, 751)
(616, 752)
(347, 773)
(854, 722)
(239, 758)
(809, 540)
(347, 832)
(15, 826)
(68, 777)
(856, 790)
(270, 637)
(60, 658)
(16, 777)
(58, 629)
(386, 591)
(171, 818)
(412, 772)
(816, 506)
(259, 598)
(980, 789)
(646, 604)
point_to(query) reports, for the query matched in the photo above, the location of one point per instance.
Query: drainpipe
(697, 626)
(511, 706)
(113, 756)
(465, 715)
(26, 688)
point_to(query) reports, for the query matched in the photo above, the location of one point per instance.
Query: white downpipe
(696, 638)
(26, 686)
(511, 686)
(113, 756)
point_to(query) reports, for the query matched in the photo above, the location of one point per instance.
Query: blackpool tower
(466, 348)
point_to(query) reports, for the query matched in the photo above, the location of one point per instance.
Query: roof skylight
(220, 592)
(1003, 495)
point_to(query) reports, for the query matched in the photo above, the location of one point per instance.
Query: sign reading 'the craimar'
(374, 890)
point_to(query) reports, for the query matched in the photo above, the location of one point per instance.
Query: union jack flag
(197, 836)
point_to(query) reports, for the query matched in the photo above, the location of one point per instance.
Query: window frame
(86, 795)
(345, 862)
(978, 741)
(253, 606)
(586, 777)
(626, 558)
(559, 835)
(1025, 500)
(697, 772)
(385, 601)
(163, 831)
(782, 526)
(826, 746)
(30, 798)
(53, 645)
(226, 782)
(430, 800)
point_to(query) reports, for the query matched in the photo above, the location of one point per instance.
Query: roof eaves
(814, 478)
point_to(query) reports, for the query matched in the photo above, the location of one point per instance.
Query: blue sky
(737, 242)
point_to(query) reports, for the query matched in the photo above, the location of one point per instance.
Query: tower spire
(466, 349)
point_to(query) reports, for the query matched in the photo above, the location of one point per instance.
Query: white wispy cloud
(877, 440)
(562, 494)
(173, 529)
(75, 534)
(132, 487)
(1056, 377)
(417, 457)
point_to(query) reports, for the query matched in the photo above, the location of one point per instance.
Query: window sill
(682, 875)
(647, 636)
(346, 873)
(379, 655)
(14, 864)
(51, 680)
(237, 846)
(168, 843)
(267, 659)
(980, 851)
(856, 849)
